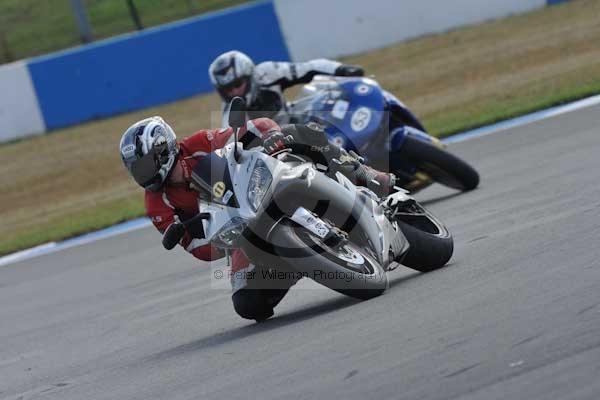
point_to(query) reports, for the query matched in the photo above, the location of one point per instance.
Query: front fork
(413, 179)
(398, 136)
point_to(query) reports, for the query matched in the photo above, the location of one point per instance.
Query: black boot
(352, 167)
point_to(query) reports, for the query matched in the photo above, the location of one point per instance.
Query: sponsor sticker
(128, 150)
(227, 196)
(362, 90)
(338, 141)
(339, 109)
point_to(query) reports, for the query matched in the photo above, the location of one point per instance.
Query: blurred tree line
(33, 27)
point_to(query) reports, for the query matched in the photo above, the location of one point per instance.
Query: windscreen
(352, 112)
(211, 173)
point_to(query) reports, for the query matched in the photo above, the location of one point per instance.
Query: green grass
(33, 27)
(78, 223)
(446, 125)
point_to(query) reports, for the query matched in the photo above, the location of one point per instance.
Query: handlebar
(195, 218)
(176, 230)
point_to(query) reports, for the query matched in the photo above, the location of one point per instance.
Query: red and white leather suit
(179, 200)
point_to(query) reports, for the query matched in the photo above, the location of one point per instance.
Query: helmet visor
(238, 87)
(145, 169)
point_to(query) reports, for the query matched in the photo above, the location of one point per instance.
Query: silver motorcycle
(287, 211)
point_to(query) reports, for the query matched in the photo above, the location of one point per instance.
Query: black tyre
(431, 245)
(442, 166)
(345, 267)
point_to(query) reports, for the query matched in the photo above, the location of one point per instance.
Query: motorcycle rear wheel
(442, 166)
(431, 244)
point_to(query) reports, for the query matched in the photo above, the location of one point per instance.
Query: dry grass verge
(72, 181)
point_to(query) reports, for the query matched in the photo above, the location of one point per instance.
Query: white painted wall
(331, 28)
(20, 113)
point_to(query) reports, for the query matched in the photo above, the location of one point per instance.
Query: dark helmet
(149, 149)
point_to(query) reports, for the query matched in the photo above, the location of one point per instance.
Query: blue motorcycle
(360, 116)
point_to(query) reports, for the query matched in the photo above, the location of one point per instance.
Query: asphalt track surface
(515, 315)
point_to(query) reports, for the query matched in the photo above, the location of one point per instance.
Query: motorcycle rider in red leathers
(163, 167)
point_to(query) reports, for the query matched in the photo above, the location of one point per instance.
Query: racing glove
(277, 142)
(349, 70)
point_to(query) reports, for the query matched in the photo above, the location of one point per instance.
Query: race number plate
(304, 218)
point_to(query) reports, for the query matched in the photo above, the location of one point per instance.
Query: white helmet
(232, 74)
(149, 149)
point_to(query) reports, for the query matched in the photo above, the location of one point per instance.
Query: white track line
(141, 223)
(523, 120)
(54, 247)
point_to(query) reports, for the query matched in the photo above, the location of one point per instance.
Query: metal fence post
(85, 30)
(135, 16)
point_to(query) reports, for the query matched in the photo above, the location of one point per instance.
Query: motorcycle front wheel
(343, 267)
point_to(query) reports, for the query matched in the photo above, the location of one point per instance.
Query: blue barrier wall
(170, 62)
(151, 67)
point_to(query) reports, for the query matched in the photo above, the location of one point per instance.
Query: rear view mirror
(237, 113)
(173, 235)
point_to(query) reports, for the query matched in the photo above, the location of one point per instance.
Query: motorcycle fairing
(211, 173)
(352, 111)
